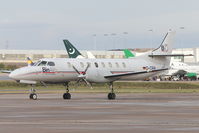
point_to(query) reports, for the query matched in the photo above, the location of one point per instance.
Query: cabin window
(51, 64)
(43, 63)
(69, 65)
(96, 65)
(103, 65)
(110, 65)
(117, 65)
(82, 64)
(123, 64)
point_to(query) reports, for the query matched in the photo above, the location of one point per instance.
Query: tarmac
(4, 76)
(93, 113)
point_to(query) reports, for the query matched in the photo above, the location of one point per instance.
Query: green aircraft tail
(128, 53)
(71, 50)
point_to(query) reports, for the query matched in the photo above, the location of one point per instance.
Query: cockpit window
(36, 64)
(51, 64)
(43, 63)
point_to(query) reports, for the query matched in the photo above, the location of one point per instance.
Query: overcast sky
(43, 24)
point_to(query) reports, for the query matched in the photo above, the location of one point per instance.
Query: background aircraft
(74, 53)
(128, 53)
(181, 69)
(178, 69)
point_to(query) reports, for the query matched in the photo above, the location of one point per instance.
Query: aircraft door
(51, 66)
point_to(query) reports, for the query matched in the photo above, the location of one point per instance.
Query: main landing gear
(67, 95)
(111, 95)
(33, 94)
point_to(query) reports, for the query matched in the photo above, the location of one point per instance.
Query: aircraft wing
(171, 55)
(134, 73)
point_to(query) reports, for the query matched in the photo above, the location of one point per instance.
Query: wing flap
(134, 73)
(171, 55)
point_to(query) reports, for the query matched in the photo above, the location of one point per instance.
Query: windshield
(43, 63)
(36, 63)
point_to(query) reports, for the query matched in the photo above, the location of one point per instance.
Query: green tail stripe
(128, 53)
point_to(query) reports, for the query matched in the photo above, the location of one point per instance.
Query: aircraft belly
(52, 77)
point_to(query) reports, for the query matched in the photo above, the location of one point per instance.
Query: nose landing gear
(111, 95)
(33, 94)
(67, 95)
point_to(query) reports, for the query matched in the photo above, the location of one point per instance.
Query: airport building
(19, 56)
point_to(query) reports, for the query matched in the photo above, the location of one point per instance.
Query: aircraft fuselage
(63, 69)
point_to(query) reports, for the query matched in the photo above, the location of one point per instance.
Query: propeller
(82, 76)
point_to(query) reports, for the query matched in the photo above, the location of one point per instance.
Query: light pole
(106, 40)
(7, 44)
(114, 39)
(181, 43)
(150, 37)
(125, 39)
(95, 41)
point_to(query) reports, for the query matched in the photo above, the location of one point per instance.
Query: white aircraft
(63, 70)
(180, 66)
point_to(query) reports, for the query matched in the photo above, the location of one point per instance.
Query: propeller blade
(86, 68)
(77, 83)
(76, 70)
(82, 76)
(87, 83)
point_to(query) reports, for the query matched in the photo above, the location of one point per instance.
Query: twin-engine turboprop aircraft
(63, 70)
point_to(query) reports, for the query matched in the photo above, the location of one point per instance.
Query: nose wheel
(67, 95)
(33, 94)
(111, 95)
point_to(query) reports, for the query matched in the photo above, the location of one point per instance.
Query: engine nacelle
(97, 76)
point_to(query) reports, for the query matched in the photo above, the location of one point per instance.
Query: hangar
(19, 56)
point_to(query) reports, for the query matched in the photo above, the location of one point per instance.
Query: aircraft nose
(13, 75)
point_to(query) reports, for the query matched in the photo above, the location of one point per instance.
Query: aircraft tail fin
(90, 55)
(162, 55)
(128, 53)
(71, 50)
(29, 62)
(166, 45)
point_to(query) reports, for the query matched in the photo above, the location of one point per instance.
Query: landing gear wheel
(111, 96)
(66, 96)
(33, 96)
